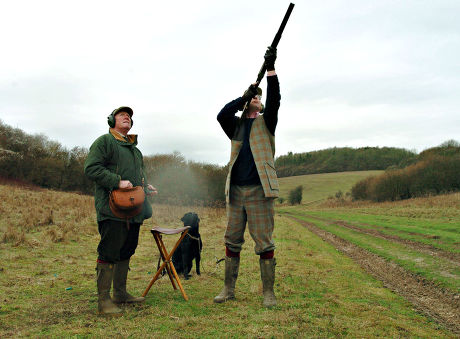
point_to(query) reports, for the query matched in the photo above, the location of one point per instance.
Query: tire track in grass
(440, 304)
(420, 247)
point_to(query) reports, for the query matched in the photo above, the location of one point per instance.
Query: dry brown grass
(427, 207)
(12, 235)
(29, 216)
(170, 215)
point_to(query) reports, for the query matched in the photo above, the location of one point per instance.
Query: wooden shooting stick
(274, 44)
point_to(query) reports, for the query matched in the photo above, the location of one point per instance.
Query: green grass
(442, 271)
(443, 234)
(321, 293)
(48, 288)
(429, 221)
(318, 187)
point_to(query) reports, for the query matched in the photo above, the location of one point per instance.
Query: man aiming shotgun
(252, 183)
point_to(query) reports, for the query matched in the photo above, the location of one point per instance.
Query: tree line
(435, 171)
(34, 159)
(342, 160)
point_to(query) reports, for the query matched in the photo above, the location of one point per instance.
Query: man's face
(255, 104)
(122, 120)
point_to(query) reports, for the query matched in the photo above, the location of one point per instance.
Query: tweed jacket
(262, 144)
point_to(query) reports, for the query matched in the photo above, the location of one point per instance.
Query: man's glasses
(257, 96)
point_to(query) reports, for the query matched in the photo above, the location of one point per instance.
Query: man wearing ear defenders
(114, 162)
(252, 183)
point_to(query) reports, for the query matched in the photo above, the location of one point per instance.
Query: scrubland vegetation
(36, 160)
(295, 195)
(436, 172)
(39, 161)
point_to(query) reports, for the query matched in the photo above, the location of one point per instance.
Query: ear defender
(111, 117)
(111, 120)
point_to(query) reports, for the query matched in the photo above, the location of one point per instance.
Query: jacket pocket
(271, 175)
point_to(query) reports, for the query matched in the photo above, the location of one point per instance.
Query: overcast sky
(352, 73)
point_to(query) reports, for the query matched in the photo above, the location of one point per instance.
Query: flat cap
(123, 109)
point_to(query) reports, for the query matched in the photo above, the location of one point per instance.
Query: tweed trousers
(248, 204)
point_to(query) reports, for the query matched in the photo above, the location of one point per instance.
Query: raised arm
(272, 104)
(227, 118)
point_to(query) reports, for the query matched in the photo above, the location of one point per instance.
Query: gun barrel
(276, 40)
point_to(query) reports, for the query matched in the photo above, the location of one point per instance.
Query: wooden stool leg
(167, 263)
(167, 259)
(178, 282)
(174, 269)
(155, 277)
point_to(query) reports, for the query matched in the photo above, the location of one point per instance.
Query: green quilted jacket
(113, 158)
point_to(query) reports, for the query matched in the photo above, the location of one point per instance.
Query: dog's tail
(218, 261)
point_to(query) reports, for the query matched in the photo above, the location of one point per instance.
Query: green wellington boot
(267, 273)
(231, 273)
(104, 283)
(120, 275)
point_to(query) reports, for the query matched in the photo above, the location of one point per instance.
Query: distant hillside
(446, 149)
(317, 187)
(435, 171)
(343, 160)
(34, 159)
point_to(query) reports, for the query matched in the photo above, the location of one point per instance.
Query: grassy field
(47, 279)
(421, 237)
(317, 187)
(444, 271)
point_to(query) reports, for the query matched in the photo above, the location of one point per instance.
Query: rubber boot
(267, 273)
(104, 283)
(120, 275)
(232, 266)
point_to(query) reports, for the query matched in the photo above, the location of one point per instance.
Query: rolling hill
(320, 186)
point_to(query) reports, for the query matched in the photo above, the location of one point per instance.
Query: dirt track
(440, 304)
(424, 248)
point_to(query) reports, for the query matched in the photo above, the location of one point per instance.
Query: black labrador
(189, 248)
